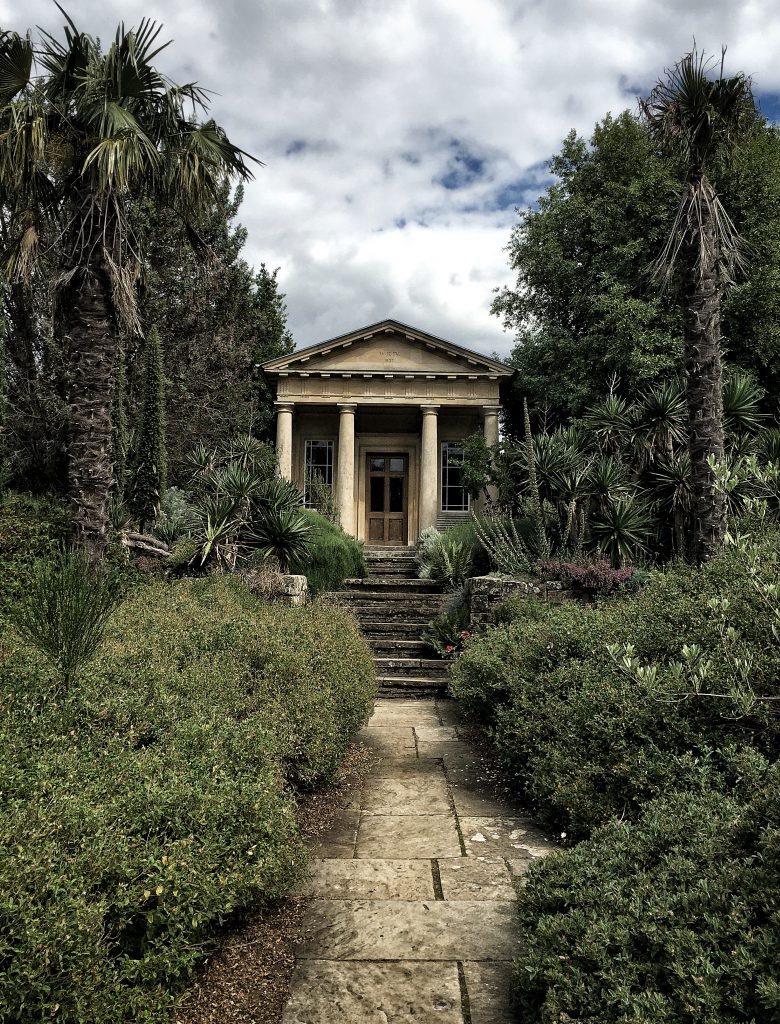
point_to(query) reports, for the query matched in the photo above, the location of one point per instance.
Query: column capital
(346, 406)
(491, 410)
(430, 410)
(284, 406)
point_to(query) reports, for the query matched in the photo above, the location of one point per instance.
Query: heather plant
(596, 577)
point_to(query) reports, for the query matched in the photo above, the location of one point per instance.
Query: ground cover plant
(155, 799)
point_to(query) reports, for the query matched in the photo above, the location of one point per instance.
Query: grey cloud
(354, 106)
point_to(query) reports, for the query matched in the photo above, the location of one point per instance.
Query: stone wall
(483, 593)
(277, 587)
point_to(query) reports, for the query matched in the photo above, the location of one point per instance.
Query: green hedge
(156, 800)
(582, 741)
(672, 919)
(334, 556)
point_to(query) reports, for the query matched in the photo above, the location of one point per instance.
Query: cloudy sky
(400, 135)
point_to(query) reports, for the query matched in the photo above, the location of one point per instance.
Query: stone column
(345, 480)
(284, 438)
(429, 467)
(490, 427)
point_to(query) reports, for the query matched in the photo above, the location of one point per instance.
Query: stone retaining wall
(483, 593)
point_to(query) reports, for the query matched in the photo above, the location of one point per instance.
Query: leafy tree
(219, 319)
(580, 306)
(583, 307)
(151, 460)
(699, 119)
(85, 133)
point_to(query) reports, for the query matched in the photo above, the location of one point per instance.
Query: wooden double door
(387, 499)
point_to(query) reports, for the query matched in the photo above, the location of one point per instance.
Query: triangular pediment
(388, 347)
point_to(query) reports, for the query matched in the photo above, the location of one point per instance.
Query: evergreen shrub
(582, 740)
(671, 919)
(334, 556)
(156, 799)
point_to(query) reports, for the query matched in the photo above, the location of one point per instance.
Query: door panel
(387, 499)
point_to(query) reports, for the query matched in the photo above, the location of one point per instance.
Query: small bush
(155, 801)
(668, 920)
(333, 557)
(592, 577)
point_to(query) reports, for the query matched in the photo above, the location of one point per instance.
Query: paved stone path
(413, 916)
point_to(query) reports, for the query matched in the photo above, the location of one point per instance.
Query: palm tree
(697, 119)
(83, 135)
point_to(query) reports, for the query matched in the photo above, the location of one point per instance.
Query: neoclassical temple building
(381, 414)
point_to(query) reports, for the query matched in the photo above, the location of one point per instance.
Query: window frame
(329, 465)
(445, 486)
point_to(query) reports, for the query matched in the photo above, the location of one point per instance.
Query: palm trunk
(90, 345)
(703, 373)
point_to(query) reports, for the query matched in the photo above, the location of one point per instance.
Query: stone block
(407, 836)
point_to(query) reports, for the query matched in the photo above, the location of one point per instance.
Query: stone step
(389, 597)
(389, 584)
(426, 668)
(397, 630)
(392, 647)
(409, 686)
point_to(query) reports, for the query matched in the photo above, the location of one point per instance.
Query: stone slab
(498, 837)
(402, 836)
(490, 992)
(448, 712)
(475, 798)
(398, 767)
(413, 794)
(392, 740)
(339, 839)
(370, 880)
(435, 733)
(399, 930)
(406, 716)
(328, 992)
(452, 751)
(475, 878)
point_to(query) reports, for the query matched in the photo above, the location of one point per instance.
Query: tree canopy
(583, 307)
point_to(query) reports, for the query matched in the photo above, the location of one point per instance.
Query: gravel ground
(246, 979)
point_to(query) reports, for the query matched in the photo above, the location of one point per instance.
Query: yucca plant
(622, 529)
(66, 606)
(214, 522)
(284, 534)
(742, 404)
(673, 491)
(611, 423)
(660, 420)
(278, 494)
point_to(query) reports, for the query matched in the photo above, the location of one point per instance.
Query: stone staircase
(393, 608)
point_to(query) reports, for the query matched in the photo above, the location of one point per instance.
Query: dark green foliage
(154, 804)
(448, 558)
(672, 919)
(333, 556)
(219, 318)
(582, 309)
(582, 739)
(64, 611)
(120, 437)
(30, 528)
(150, 459)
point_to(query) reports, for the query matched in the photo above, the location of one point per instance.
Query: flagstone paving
(413, 916)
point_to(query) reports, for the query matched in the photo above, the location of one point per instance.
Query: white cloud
(378, 104)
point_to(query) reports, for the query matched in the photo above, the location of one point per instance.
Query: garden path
(413, 916)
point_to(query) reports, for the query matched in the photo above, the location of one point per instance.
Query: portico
(380, 415)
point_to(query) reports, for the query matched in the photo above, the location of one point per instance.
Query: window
(454, 496)
(319, 462)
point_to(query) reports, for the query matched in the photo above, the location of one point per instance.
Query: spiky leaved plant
(64, 611)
